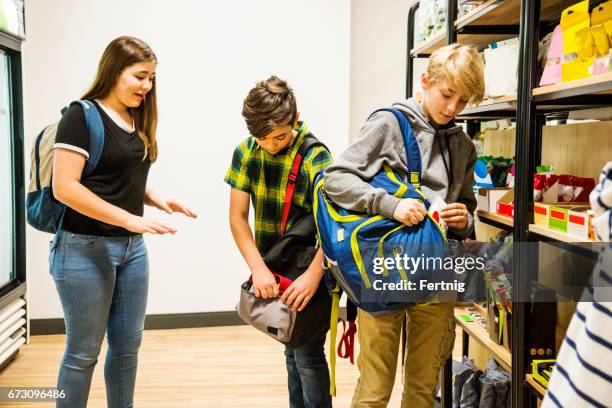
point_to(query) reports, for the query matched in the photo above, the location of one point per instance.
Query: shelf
(492, 12)
(594, 85)
(535, 386)
(430, 45)
(495, 220)
(557, 236)
(481, 335)
(440, 40)
(503, 106)
(578, 245)
(500, 12)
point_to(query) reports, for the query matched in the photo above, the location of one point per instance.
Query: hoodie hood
(420, 121)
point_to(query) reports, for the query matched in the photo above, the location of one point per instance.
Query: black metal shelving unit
(530, 107)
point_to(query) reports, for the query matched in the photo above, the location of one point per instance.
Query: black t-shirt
(120, 177)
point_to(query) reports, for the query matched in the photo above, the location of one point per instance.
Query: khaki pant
(430, 339)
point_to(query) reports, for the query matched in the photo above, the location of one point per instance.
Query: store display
(466, 390)
(474, 389)
(491, 172)
(482, 178)
(580, 44)
(574, 20)
(501, 63)
(505, 205)
(540, 336)
(558, 218)
(578, 221)
(566, 188)
(554, 59)
(11, 17)
(431, 20)
(583, 53)
(542, 371)
(466, 6)
(487, 198)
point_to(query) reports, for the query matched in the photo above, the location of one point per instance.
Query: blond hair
(460, 65)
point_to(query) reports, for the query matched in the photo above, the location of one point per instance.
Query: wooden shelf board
(430, 45)
(493, 12)
(536, 385)
(502, 219)
(481, 41)
(480, 334)
(556, 235)
(503, 103)
(508, 12)
(439, 40)
(603, 79)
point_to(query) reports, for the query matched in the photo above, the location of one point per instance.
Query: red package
(541, 183)
(582, 189)
(539, 186)
(566, 188)
(551, 180)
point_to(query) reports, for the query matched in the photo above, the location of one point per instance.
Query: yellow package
(600, 40)
(574, 19)
(608, 29)
(601, 27)
(571, 71)
(601, 13)
(586, 45)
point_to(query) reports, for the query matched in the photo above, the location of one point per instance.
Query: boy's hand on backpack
(264, 283)
(299, 293)
(455, 215)
(141, 225)
(410, 212)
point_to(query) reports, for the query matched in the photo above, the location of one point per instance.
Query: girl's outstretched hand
(170, 206)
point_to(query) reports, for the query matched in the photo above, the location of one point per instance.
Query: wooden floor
(204, 367)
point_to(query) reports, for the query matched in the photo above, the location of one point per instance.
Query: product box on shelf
(541, 211)
(507, 331)
(501, 63)
(505, 205)
(487, 198)
(558, 218)
(578, 220)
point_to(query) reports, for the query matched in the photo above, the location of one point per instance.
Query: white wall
(210, 54)
(378, 57)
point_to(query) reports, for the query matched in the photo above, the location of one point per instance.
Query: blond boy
(453, 78)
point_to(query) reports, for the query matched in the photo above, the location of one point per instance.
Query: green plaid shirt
(264, 176)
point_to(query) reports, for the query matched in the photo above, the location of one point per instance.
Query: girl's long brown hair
(121, 53)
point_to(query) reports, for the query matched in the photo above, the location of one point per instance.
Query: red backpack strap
(346, 346)
(293, 175)
(308, 142)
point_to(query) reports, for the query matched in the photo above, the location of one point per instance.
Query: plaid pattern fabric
(264, 176)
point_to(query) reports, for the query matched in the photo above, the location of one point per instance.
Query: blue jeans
(308, 376)
(102, 283)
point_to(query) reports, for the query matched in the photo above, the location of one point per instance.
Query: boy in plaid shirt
(259, 171)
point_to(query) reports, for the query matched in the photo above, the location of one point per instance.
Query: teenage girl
(99, 262)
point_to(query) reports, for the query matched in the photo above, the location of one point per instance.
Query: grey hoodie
(380, 141)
